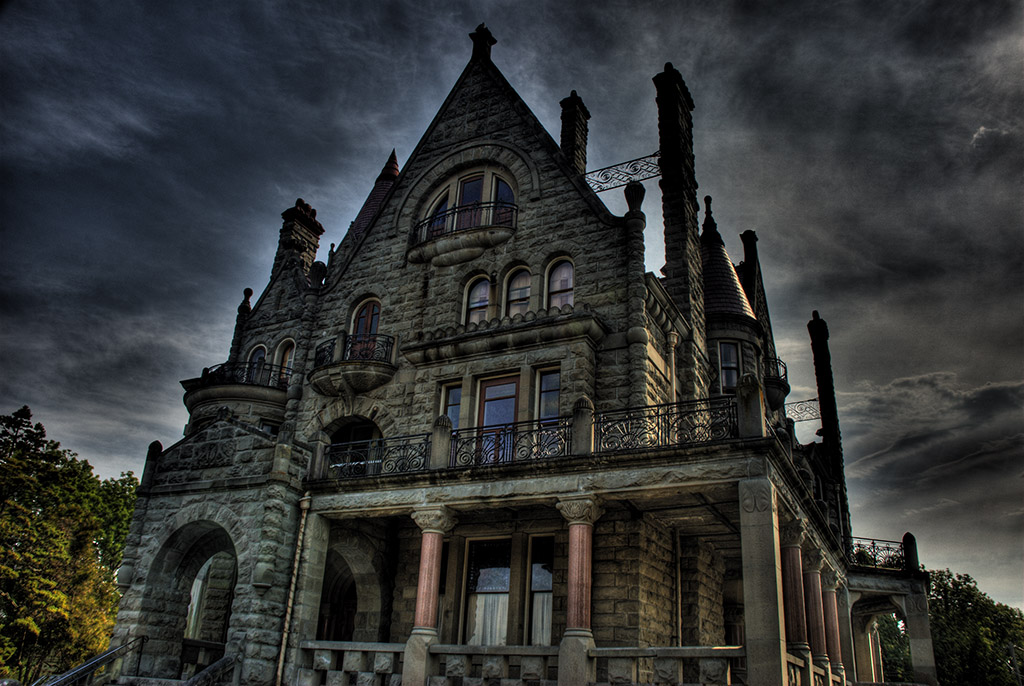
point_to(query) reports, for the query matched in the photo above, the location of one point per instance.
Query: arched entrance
(353, 597)
(189, 595)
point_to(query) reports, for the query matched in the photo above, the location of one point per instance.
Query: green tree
(62, 534)
(895, 649)
(971, 632)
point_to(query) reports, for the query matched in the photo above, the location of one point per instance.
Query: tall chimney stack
(574, 132)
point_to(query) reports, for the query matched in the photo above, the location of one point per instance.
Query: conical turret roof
(723, 293)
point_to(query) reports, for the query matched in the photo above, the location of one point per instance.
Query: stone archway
(354, 598)
(187, 601)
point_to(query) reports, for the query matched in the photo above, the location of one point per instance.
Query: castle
(481, 444)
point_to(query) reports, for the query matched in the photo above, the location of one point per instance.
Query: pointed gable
(385, 180)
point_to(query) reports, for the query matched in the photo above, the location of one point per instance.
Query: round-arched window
(517, 296)
(477, 300)
(560, 284)
(478, 197)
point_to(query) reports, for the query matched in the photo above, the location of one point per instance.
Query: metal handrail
(774, 368)
(471, 216)
(85, 670)
(355, 459)
(656, 426)
(877, 554)
(515, 442)
(247, 373)
(210, 674)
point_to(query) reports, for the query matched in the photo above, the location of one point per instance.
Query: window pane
(479, 296)
(560, 285)
(549, 384)
(543, 560)
(486, 619)
(452, 403)
(499, 411)
(502, 191)
(519, 293)
(542, 556)
(472, 191)
(489, 566)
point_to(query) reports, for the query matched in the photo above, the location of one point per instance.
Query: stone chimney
(574, 132)
(300, 236)
(683, 273)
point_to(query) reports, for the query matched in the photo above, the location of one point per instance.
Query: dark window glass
(518, 298)
(479, 296)
(549, 386)
(729, 358)
(560, 285)
(452, 404)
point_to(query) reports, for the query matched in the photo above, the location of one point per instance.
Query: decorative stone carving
(793, 533)
(831, 579)
(758, 497)
(713, 671)
(579, 510)
(813, 560)
(438, 519)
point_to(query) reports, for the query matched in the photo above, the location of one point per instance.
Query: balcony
(249, 382)
(877, 554)
(578, 437)
(776, 382)
(463, 233)
(361, 363)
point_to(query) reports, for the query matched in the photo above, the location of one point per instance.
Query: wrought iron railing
(370, 347)
(83, 673)
(468, 217)
(324, 353)
(656, 426)
(248, 373)
(870, 552)
(378, 456)
(774, 368)
(505, 443)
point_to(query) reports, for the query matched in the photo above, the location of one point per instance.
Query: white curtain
(487, 619)
(540, 619)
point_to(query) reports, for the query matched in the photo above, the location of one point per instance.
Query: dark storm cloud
(876, 148)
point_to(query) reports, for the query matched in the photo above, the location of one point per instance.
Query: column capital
(579, 510)
(439, 519)
(831, 578)
(812, 560)
(793, 533)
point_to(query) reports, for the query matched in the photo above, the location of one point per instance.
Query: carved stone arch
(192, 540)
(356, 569)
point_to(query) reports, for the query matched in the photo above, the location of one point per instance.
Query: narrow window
(547, 406)
(518, 297)
(542, 562)
(729, 365)
(453, 403)
(256, 372)
(504, 203)
(487, 585)
(499, 407)
(479, 298)
(363, 341)
(560, 284)
(285, 372)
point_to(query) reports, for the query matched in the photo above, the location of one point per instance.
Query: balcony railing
(868, 552)
(369, 347)
(657, 426)
(378, 456)
(324, 353)
(248, 373)
(466, 217)
(505, 443)
(774, 368)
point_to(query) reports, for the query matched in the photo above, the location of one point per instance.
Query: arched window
(256, 369)
(477, 300)
(285, 357)
(560, 284)
(517, 296)
(477, 197)
(363, 341)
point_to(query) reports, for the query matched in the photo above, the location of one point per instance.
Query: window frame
(736, 367)
(523, 300)
(447, 405)
(539, 394)
(449, 196)
(469, 309)
(550, 293)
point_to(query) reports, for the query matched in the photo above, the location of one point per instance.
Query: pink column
(435, 523)
(793, 535)
(831, 581)
(581, 513)
(813, 604)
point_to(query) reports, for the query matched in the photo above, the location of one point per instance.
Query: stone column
(831, 580)
(762, 583)
(574, 663)
(922, 655)
(419, 664)
(846, 601)
(793, 535)
(813, 560)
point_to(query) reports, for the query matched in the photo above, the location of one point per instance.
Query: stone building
(481, 444)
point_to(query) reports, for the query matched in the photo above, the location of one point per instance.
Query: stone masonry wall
(702, 574)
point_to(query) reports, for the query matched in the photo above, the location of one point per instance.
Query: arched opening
(190, 590)
(352, 599)
(353, 449)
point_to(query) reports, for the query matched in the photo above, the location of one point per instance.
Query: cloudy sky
(148, 149)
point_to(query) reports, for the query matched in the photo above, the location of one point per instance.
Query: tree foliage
(971, 632)
(62, 533)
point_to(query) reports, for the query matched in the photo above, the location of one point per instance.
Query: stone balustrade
(479, 665)
(337, 663)
(664, 666)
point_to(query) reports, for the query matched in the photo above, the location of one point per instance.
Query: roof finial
(482, 42)
(710, 235)
(390, 170)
